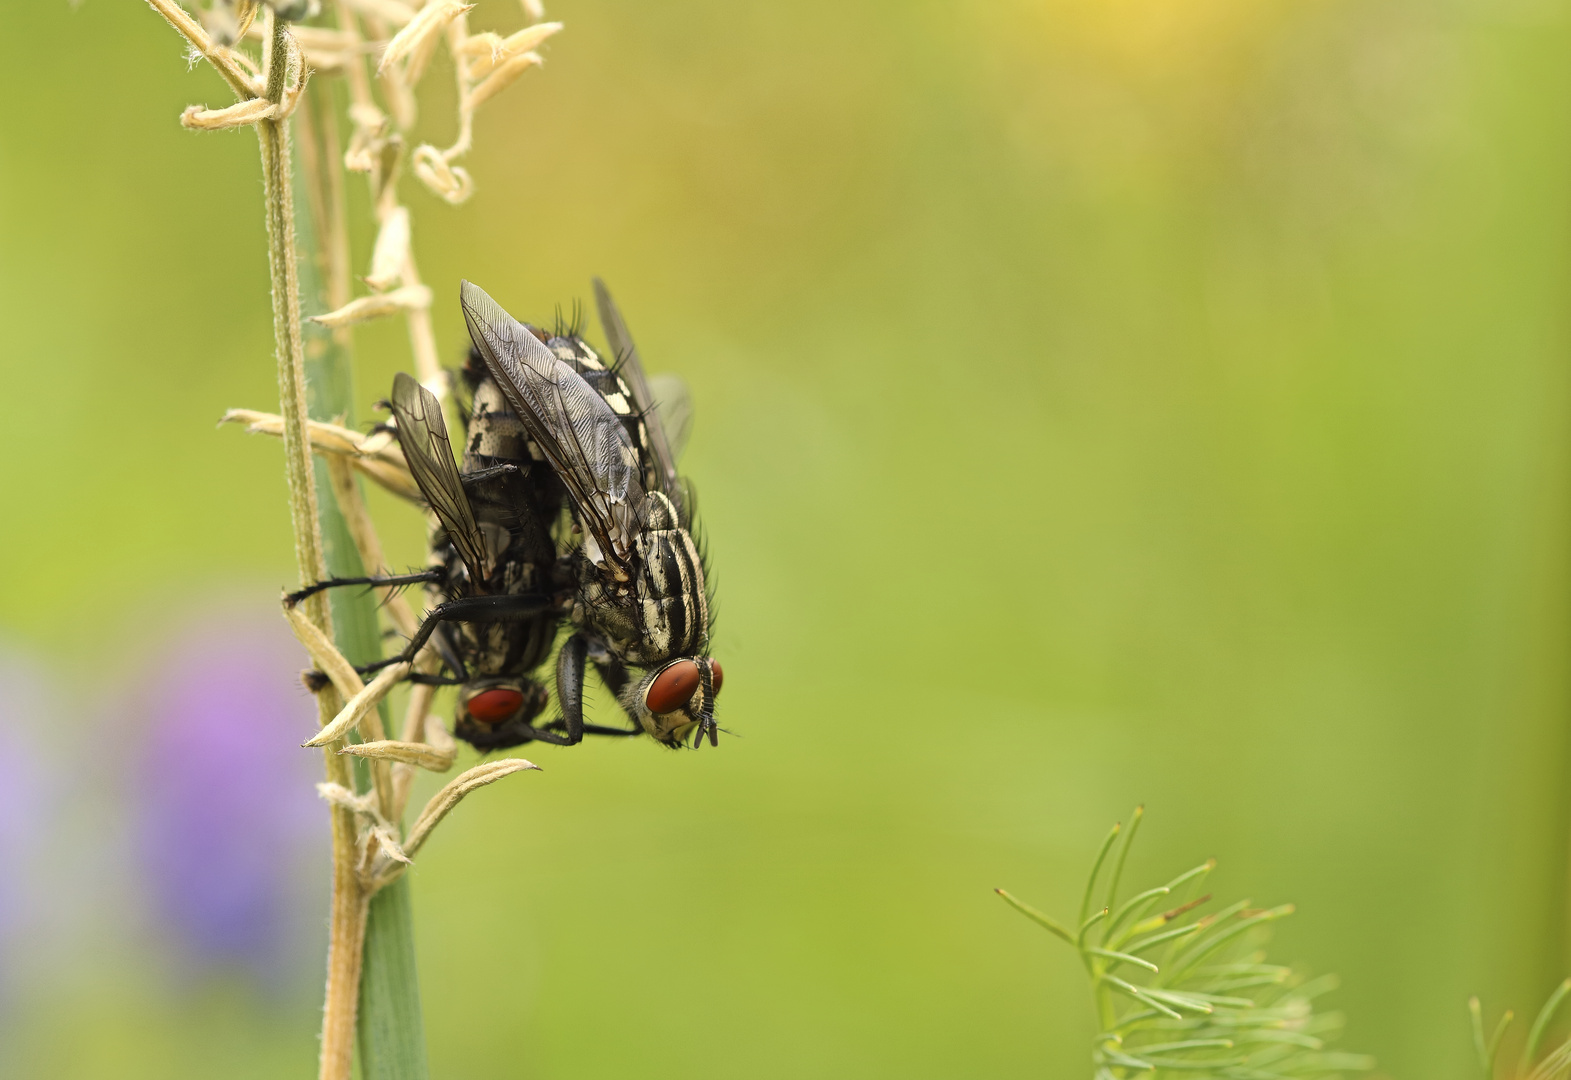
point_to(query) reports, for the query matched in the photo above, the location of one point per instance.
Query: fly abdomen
(675, 608)
(495, 432)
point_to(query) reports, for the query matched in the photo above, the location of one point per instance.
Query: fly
(495, 574)
(639, 604)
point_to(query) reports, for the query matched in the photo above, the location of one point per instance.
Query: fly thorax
(610, 613)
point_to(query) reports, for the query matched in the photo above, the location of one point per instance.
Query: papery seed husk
(480, 44)
(392, 247)
(443, 801)
(449, 182)
(339, 670)
(437, 735)
(359, 706)
(529, 37)
(485, 61)
(240, 114)
(499, 79)
(421, 54)
(427, 757)
(427, 23)
(329, 438)
(380, 306)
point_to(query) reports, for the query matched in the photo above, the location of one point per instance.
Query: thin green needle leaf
(1209, 1068)
(1193, 1002)
(1188, 1044)
(1189, 1018)
(1212, 922)
(1199, 950)
(1179, 931)
(1244, 982)
(1546, 1016)
(1309, 1042)
(1234, 931)
(1219, 999)
(1135, 1019)
(1494, 1041)
(1133, 904)
(1118, 866)
(1156, 922)
(1096, 868)
(1139, 995)
(1190, 875)
(1080, 939)
(1275, 970)
(1486, 1060)
(1115, 1057)
(1123, 958)
(1032, 913)
(1555, 1066)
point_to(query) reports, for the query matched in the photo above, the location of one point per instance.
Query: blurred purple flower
(228, 824)
(31, 793)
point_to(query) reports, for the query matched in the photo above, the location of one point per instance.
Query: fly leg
(473, 481)
(315, 680)
(570, 685)
(615, 676)
(504, 608)
(433, 575)
(570, 691)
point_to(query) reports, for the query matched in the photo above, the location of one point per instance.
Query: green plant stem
(346, 924)
(390, 1033)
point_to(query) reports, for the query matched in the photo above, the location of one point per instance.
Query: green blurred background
(1098, 403)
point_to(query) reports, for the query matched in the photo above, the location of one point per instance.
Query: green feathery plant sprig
(1554, 1064)
(1178, 992)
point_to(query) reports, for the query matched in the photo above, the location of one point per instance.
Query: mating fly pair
(554, 428)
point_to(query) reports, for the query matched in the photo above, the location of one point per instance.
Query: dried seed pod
(392, 248)
(420, 33)
(366, 308)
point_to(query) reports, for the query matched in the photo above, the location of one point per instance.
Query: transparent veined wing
(625, 354)
(422, 434)
(580, 435)
(673, 411)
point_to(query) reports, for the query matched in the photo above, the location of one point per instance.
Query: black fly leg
(570, 690)
(465, 609)
(505, 471)
(435, 574)
(615, 676)
(570, 685)
(450, 650)
(601, 729)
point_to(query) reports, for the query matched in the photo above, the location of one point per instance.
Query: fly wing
(422, 433)
(675, 410)
(631, 368)
(585, 441)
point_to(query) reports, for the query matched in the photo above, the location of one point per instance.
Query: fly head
(496, 713)
(677, 700)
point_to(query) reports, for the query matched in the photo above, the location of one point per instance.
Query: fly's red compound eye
(716, 676)
(672, 688)
(494, 705)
